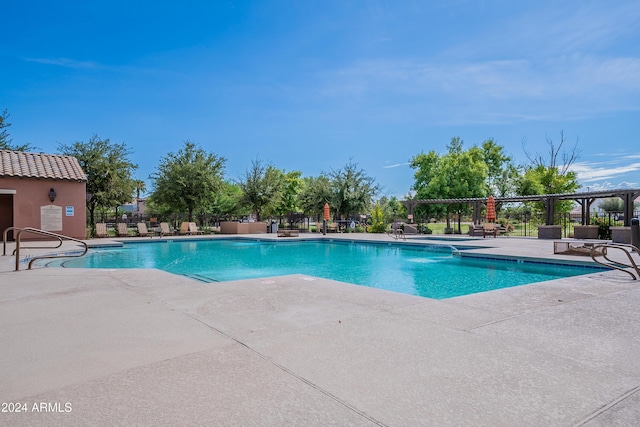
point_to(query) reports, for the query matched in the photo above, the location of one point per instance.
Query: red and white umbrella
(326, 211)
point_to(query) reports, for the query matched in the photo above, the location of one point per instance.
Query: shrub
(604, 232)
(378, 224)
(424, 229)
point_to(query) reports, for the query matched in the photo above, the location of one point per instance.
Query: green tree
(121, 185)
(353, 190)
(140, 187)
(550, 174)
(457, 174)
(392, 209)
(613, 204)
(547, 180)
(426, 168)
(5, 140)
(315, 192)
(501, 173)
(226, 202)
(461, 174)
(292, 185)
(187, 180)
(262, 188)
(108, 170)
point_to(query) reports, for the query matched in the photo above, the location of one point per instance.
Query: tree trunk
(92, 219)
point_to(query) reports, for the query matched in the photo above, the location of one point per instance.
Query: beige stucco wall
(32, 194)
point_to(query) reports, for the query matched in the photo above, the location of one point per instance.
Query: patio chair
(143, 231)
(165, 230)
(489, 229)
(332, 228)
(123, 230)
(193, 229)
(101, 230)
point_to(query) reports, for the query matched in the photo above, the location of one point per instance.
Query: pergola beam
(628, 196)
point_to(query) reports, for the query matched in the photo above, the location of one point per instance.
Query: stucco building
(44, 191)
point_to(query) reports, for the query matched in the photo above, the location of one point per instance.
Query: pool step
(200, 278)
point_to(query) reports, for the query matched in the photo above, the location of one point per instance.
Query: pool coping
(464, 251)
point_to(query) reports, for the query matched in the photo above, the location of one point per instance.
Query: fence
(524, 225)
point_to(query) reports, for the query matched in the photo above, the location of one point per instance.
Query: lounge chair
(490, 229)
(288, 233)
(123, 230)
(142, 230)
(193, 229)
(101, 230)
(184, 228)
(410, 229)
(332, 228)
(165, 230)
(476, 230)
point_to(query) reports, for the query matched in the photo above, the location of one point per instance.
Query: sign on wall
(51, 218)
(69, 211)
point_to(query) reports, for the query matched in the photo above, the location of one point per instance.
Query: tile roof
(39, 166)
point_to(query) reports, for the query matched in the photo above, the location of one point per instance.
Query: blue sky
(312, 85)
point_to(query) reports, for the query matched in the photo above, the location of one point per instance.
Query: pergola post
(585, 204)
(476, 212)
(628, 198)
(410, 205)
(549, 207)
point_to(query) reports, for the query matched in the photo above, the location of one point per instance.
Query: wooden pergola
(585, 200)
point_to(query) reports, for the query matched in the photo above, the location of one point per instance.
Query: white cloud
(65, 62)
(607, 185)
(549, 63)
(85, 65)
(592, 172)
(395, 165)
(493, 91)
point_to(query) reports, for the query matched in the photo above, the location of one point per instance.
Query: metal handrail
(4, 242)
(49, 234)
(617, 265)
(396, 234)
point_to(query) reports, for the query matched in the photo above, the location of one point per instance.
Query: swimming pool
(433, 271)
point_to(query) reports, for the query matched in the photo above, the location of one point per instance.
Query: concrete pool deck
(144, 347)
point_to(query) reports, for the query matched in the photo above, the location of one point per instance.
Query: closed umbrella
(491, 209)
(326, 218)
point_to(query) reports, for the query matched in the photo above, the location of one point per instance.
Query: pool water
(432, 271)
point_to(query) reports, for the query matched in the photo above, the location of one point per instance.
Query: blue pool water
(431, 271)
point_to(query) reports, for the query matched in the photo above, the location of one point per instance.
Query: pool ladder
(397, 234)
(617, 265)
(59, 237)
